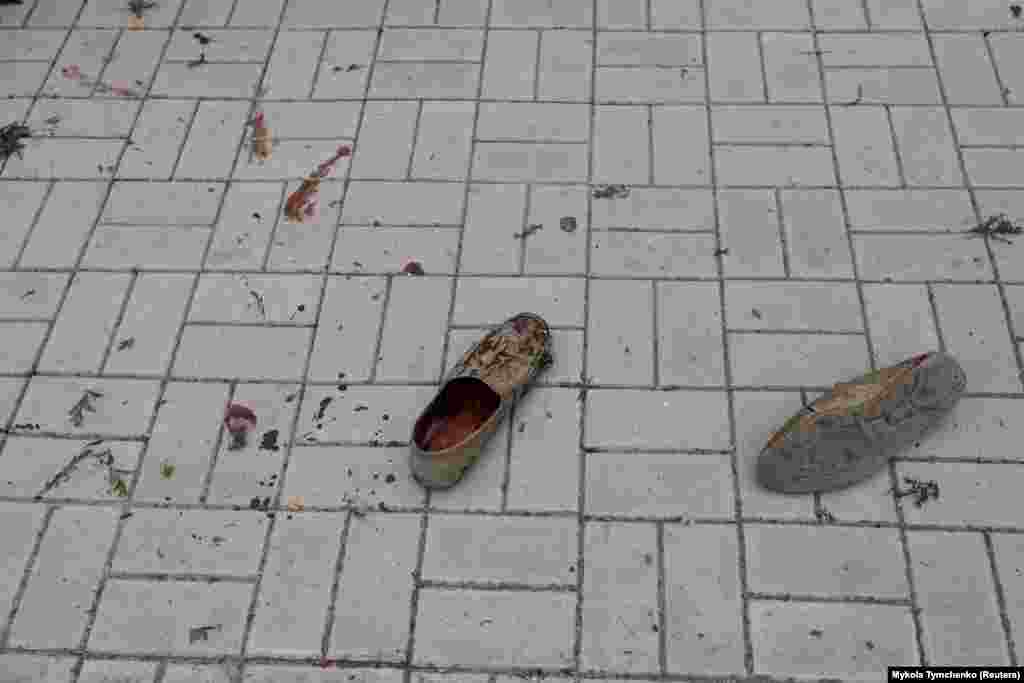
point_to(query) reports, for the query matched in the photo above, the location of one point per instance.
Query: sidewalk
(798, 176)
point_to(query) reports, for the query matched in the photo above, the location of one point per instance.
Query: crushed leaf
(922, 491)
(119, 488)
(126, 343)
(203, 39)
(529, 230)
(84, 405)
(567, 223)
(994, 227)
(167, 470)
(611, 192)
(104, 457)
(11, 137)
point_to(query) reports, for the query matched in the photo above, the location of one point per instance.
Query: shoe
(849, 435)
(475, 396)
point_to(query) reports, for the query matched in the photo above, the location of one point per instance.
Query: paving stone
(490, 301)
(630, 14)
(22, 342)
(897, 86)
(810, 360)
(852, 641)
(702, 600)
(158, 137)
(290, 616)
(202, 13)
(1015, 305)
(387, 202)
(865, 146)
(343, 49)
(307, 245)
(639, 254)
(219, 80)
(985, 336)
(414, 329)
(656, 208)
(59, 595)
(970, 494)
(864, 50)
(846, 561)
(1006, 558)
(213, 140)
(560, 247)
(516, 162)
(921, 257)
(791, 69)
(10, 395)
(677, 158)
(839, 15)
(910, 209)
(184, 436)
(664, 487)
(926, 147)
(460, 548)
(163, 203)
(293, 64)
(774, 123)
(636, 48)
(815, 233)
(23, 523)
(488, 618)
(758, 414)
(321, 476)
(670, 14)
(565, 61)
(789, 14)
(954, 587)
(37, 668)
(255, 470)
(304, 674)
(626, 357)
(966, 69)
(103, 670)
(749, 228)
(21, 201)
(66, 158)
(27, 80)
(620, 598)
(82, 331)
(992, 167)
(648, 431)
(774, 166)
(233, 298)
(87, 48)
(987, 14)
(293, 159)
(1007, 51)
(562, 122)
(690, 350)
(371, 616)
(212, 351)
(346, 14)
(124, 408)
(443, 142)
(978, 429)
(34, 463)
(198, 673)
(424, 80)
(649, 85)
(146, 247)
(105, 119)
(137, 57)
(361, 411)
(869, 502)
(546, 423)
(381, 250)
(793, 306)
(900, 320)
(511, 66)
(573, 13)
(494, 216)
(158, 617)
(735, 67)
(238, 45)
(191, 542)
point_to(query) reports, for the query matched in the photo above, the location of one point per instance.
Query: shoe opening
(458, 411)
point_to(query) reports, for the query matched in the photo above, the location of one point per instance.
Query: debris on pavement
(722, 252)
(860, 96)
(611, 192)
(269, 441)
(203, 39)
(126, 343)
(922, 491)
(201, 633)
(84, 405)
(74, 72)
(238, 420)
(262, 141)
(1015, 10)
(994, 227)
(823, 515)
(11, 137)
(756, 313)
(136, 20)
(567, 223)
(198, 61)
(527, 231)
(103, 457)
(296, 504)
(412, 268)
(302, 203)
(167, 470)
(350, 67)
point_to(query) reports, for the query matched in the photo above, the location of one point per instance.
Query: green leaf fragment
(119, 488)
(167, 470)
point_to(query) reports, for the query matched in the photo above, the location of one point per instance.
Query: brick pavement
(798, 173)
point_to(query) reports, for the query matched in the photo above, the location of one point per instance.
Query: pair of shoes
(849, 435)
(475, 396)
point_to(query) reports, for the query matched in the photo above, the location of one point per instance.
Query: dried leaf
(296, 504)
(119, 488)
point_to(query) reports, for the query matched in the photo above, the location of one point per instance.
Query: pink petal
(72, 71)
(311, 208)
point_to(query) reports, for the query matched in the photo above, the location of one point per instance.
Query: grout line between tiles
(7, 625)
(1004, 616)
(118, 320)
(895, 147)
(218, 441)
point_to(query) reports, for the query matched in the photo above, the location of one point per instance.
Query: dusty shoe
(849, 435)
(475, 396)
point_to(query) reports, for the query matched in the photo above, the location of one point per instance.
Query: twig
(104, 457)
(84, 405)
